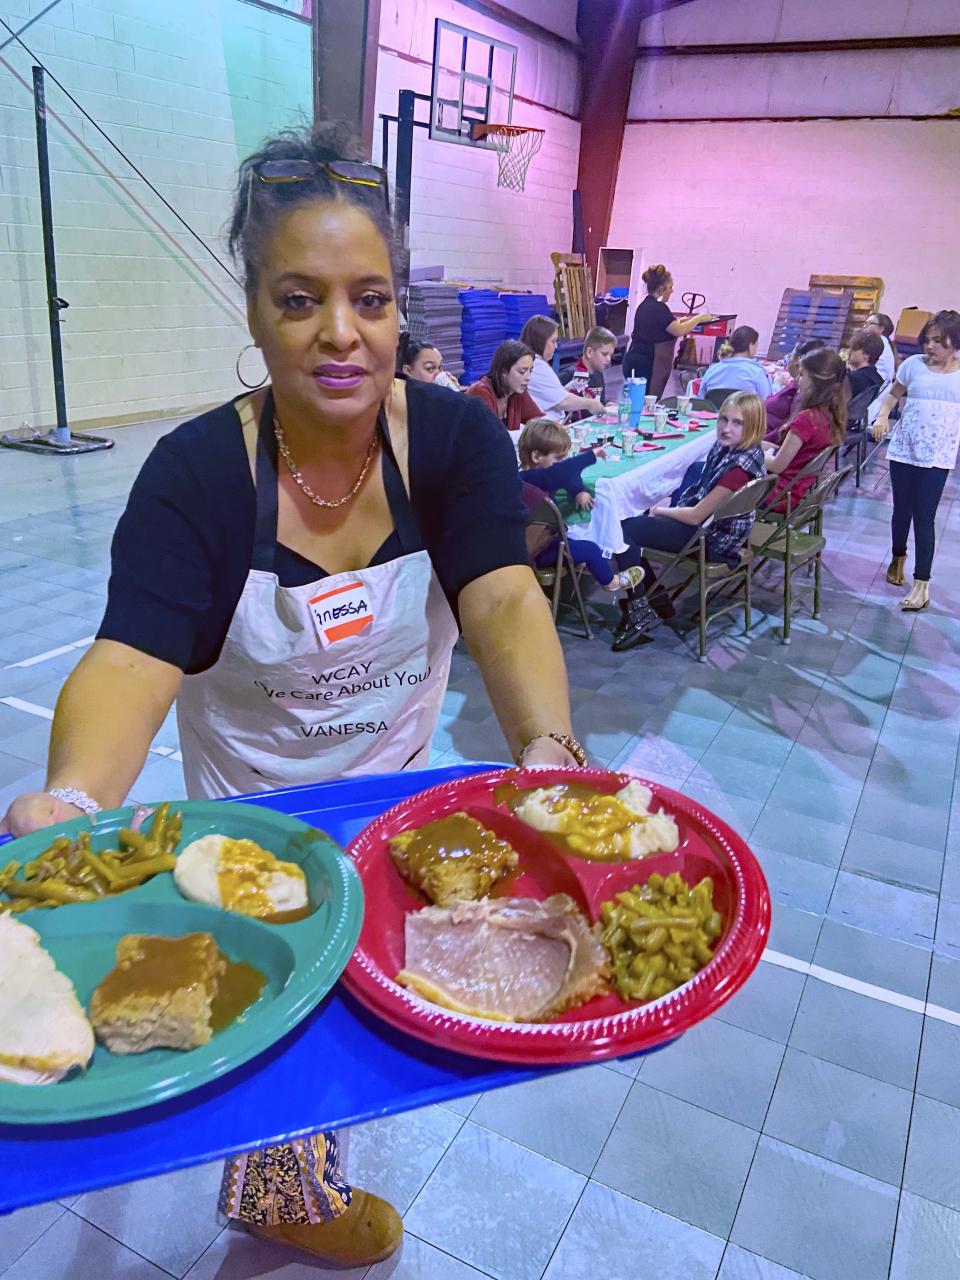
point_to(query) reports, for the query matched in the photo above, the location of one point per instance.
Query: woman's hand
(545, 751)
(881, 428)
(659, 511)
(34, 810)
(585, 501)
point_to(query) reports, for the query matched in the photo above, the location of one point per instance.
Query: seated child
(598, 348)
(865, 350)
(734, 461)
(545, 468)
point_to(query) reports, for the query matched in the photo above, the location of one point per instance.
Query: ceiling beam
(865, 45)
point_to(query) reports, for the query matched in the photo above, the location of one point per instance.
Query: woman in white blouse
(546, 390)
(923, 447)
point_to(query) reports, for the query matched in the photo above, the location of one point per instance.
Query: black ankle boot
(638, 619)
(661, 604)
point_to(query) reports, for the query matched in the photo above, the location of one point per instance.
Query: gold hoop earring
(251, 386)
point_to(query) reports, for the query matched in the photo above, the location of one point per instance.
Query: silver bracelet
(79, 799)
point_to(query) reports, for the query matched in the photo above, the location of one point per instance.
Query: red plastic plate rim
(642, 1027)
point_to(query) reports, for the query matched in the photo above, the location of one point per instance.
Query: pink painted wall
(742, 211)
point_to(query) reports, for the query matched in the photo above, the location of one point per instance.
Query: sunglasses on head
(357, 173)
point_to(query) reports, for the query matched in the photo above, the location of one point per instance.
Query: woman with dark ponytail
(655, 331)
(423, 362)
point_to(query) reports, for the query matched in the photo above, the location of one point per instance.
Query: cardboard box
(911, 321)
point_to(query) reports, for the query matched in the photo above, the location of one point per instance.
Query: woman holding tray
(334, 519)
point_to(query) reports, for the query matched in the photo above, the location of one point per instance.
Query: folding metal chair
(857, 431)
(718, 395)
(796, 541)
(787, 496)
(544, 522)
(714, 578)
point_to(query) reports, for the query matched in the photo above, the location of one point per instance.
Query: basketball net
(516, 145)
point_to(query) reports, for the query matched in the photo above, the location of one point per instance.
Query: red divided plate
(606, 1026)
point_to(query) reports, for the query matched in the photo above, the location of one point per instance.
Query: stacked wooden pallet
(810, 313)
(867, 292)
(573, 288)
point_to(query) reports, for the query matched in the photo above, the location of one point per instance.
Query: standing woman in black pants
(655, 332)
(923, 447)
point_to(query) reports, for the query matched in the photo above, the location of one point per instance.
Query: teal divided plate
(301, 961)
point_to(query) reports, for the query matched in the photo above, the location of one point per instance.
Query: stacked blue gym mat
(484, 327)
(520, 307)
(434, 315)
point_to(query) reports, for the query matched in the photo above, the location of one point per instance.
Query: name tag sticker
(342, 612)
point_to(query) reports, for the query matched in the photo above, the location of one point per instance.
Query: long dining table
(627, 486)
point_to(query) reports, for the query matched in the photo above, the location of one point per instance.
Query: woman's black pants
(916, 496)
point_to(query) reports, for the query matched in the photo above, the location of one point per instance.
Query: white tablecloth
(631, 493)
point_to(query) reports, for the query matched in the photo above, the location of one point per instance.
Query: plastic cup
(649, 404)
(683, 404)
(661, 416)
(629, 439)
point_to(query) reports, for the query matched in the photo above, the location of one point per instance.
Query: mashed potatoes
(610, 828)
(239, 876)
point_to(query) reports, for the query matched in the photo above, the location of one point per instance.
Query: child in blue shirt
(544, 464)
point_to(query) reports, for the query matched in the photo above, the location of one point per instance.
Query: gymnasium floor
(810, 1129)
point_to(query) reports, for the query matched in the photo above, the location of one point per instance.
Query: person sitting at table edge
(882, 325)
(423, 362)
(818, 421)
(407, 494)
(733, 461)
(546, 389)
(655, 330)
(779, 406)
(866, 348)
(546, 461)
(737, 368)
(503, 388)
(544, 469)
(587, 380)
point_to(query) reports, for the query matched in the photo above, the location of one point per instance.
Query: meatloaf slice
(159, 996)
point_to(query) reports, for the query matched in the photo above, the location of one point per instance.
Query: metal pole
(404, 174)
(55, 304)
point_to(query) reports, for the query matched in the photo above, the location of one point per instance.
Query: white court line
(841, 980)
(44, 713)
(30, 708)
(52, 653)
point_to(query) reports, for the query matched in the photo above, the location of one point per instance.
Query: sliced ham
(512, 959)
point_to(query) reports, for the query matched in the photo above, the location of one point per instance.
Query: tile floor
(810, 1129)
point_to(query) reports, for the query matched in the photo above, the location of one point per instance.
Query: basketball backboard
(473, 82)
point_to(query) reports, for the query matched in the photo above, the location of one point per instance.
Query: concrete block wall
(460, 218)
(740, 211)
(184, 89)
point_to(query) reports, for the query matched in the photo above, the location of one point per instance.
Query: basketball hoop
(515, 145)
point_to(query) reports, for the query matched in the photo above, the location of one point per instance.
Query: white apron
(342, 676)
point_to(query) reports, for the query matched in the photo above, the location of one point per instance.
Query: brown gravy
(237, 990)
(456, 836)
(159, 966)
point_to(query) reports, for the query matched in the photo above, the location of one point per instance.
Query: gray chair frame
(796, 541)
(546, 514)
(692, 559)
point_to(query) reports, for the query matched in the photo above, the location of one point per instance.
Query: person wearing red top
(504, 388)
(819, 420)
(779, 406)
